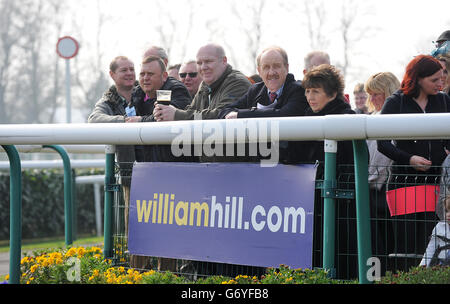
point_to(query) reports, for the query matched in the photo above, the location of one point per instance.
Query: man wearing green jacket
(221, 86)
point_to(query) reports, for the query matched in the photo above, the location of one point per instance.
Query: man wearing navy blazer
(279, 94)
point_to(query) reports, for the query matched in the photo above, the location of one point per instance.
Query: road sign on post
(67, 48)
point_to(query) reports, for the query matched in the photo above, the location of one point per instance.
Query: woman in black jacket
(324, 90)
(416, 162)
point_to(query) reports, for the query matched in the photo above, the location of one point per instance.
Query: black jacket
(291, 102)
(312, 151)
(400, 151)
(345, 221)
(180, 98)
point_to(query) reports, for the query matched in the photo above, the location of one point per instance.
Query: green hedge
(43, 204)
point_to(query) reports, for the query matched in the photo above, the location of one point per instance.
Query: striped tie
(272, 96)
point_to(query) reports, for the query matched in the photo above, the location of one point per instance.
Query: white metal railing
(49, 164)
(331, 127)
(335, 127)
(88, 149)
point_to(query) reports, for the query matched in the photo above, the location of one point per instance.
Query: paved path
(4, 263)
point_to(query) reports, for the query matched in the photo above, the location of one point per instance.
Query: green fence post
(67, 192)
(74, 206)
(109, 180)
(329, 207)
(364, 237)
(15, 214)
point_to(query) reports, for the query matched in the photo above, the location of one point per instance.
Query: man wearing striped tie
(279, 94)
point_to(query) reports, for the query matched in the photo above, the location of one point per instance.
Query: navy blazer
(291, 102)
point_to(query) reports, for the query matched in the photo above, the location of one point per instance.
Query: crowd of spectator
(208, 87)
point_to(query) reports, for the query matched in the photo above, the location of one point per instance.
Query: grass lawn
(29, 245)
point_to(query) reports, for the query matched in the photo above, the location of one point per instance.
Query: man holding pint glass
(153, 77)
(158, 88)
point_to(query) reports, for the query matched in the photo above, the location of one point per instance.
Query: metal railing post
(67, 192)
(362, 209)
(329, 206)
(109, 180)
(74, 206)
(15, 214)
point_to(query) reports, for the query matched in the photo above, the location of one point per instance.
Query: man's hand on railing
(133, 119)
(231, 115)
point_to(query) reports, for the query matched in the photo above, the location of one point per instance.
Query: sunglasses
(192, 74)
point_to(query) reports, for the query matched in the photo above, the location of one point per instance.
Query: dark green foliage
(43, 204)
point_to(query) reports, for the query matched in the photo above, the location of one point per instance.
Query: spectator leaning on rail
(276, 96)
(416, 163)
(115, 106)
(378, 87)
(324, 90)
(152, 77)
(324, 87)
(221, 86)
(138, 95)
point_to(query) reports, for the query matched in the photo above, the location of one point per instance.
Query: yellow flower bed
(85, 266)
(79, 265)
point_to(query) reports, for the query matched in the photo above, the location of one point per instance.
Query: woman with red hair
(416, 163)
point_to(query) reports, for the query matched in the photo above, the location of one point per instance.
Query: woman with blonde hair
(379, 86)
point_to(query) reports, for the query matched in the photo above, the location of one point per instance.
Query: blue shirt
(279, 91)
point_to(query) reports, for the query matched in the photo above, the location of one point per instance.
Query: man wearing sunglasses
(190, 77)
